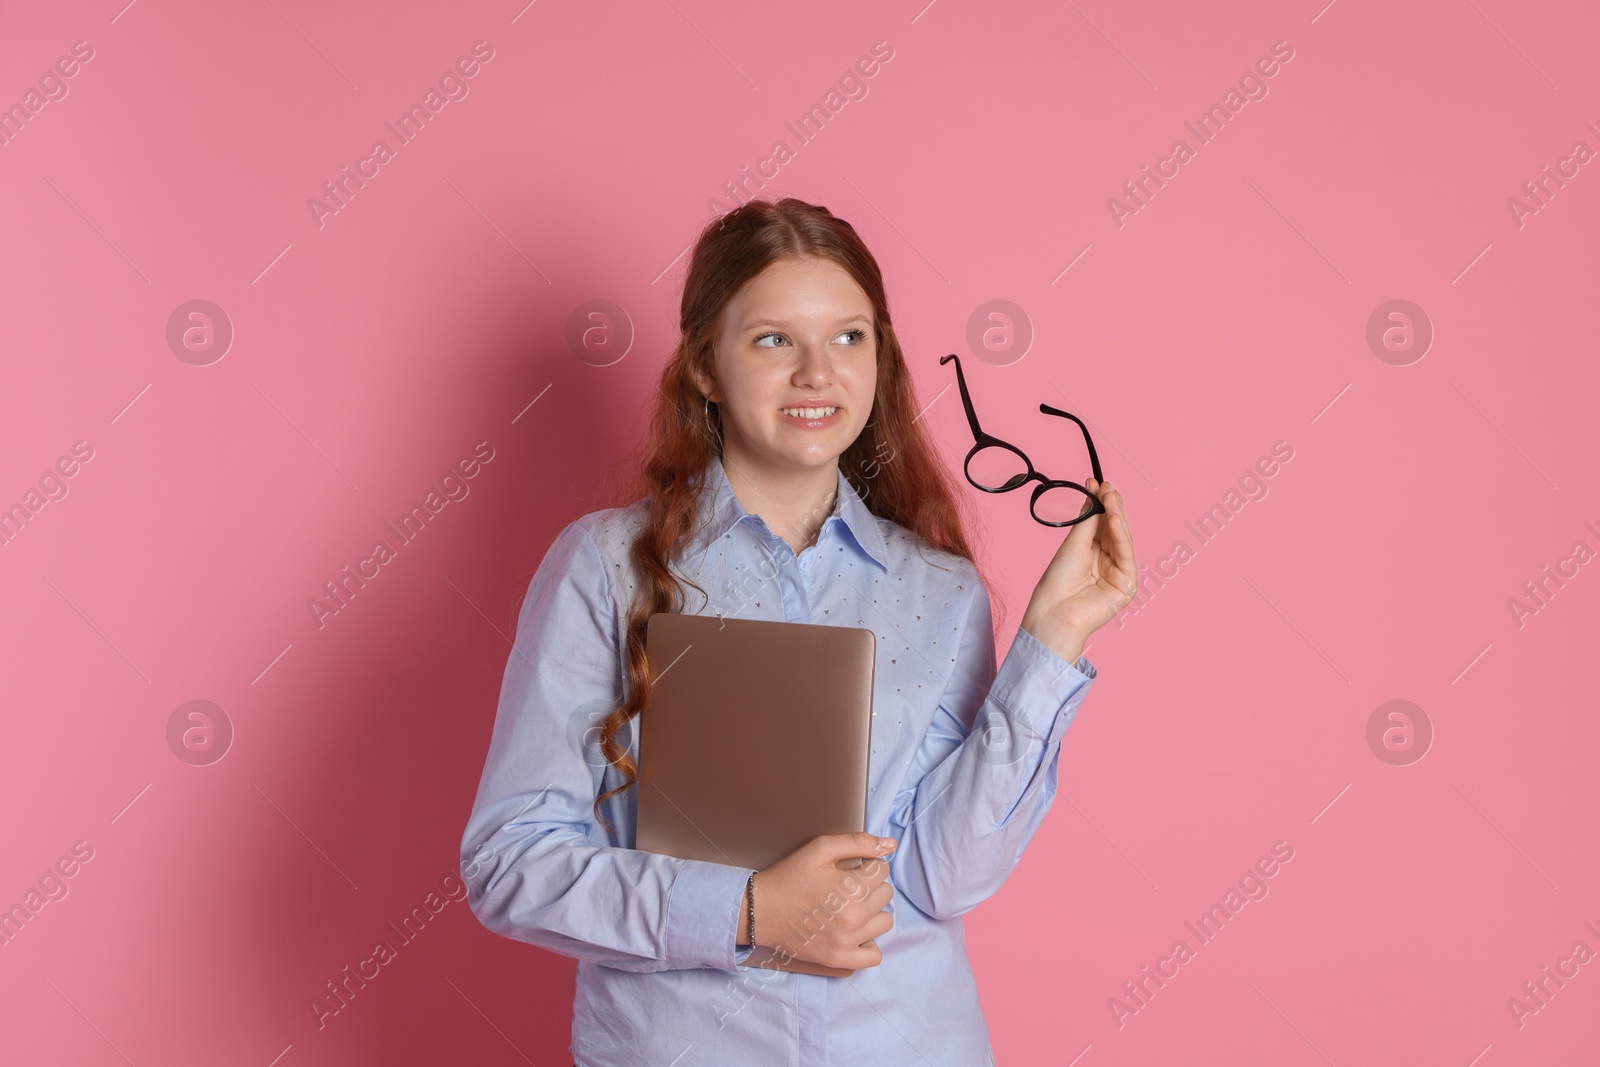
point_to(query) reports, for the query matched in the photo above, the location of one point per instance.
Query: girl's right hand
(792, 909)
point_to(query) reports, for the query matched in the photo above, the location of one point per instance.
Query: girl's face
(796, 366)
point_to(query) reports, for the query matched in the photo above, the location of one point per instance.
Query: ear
(707, 386)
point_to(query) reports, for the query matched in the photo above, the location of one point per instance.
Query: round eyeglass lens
(996, 467)
(1061, 503)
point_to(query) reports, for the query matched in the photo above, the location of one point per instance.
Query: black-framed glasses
(997, 466)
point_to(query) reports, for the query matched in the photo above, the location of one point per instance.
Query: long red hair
(891, 464)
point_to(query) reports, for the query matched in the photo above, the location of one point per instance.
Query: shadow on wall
(395, 968)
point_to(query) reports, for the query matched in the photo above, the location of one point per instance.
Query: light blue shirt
(655, 936)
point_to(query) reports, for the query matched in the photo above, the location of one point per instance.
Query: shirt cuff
(1041, 687)
(703, 913)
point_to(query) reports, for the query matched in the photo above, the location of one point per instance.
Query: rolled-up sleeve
(529, 856)
(987, 769)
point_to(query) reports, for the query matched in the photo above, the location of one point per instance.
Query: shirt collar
(723, 510)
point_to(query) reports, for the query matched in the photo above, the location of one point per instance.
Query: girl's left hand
(1091, 577)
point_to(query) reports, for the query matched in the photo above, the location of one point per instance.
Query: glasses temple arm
(1094, 459)
(966, 398)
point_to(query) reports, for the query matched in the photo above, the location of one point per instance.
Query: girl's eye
(856, 337)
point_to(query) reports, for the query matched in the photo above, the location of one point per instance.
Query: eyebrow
(753, 323)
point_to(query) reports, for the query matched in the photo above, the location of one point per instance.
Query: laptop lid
(756, 739)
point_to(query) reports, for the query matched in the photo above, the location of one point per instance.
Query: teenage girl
(787, 476)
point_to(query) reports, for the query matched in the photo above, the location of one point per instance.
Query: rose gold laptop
(756, 739)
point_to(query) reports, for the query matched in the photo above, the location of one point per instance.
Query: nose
(815, 370)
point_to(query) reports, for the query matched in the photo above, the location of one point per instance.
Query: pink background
(371, 353)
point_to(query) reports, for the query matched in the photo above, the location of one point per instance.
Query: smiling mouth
(809, 412)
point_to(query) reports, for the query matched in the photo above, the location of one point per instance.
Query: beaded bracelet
(750, 899)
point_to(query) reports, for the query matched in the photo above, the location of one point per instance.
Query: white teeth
(809, 413)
